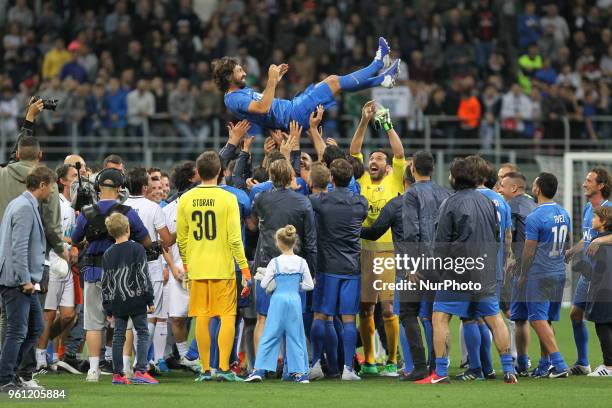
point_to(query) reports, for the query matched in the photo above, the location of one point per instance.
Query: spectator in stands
(491, 107)
(553, 108)
(73, 68)
(115, 101)
(209, 106)
(159, 93)
(55, 59)
(484, 25)
(181, 106)
(48, 22)
(529, 64)
(119, 15)
(529, 29)
(9, 110)
(469, 113)
(75, 105)
(21, 14)
(303, 67)
(459, 57)
(553, 19)
(515, 109)
(140, 107)
(53, 120)
(12, 41)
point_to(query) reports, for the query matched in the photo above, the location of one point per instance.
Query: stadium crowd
(114, 64)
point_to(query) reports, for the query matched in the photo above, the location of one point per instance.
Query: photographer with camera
(25, 158)
(90, 228)
(154, 220)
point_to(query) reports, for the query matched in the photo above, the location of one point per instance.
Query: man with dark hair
(467, 228)
(113, 161)
(339, 215)
(208, 222)
(27, 156)
(419, 214)
(22, 253)
(319, 178)
(184, 177)
(89, 228)
(382, 181)
(547, 231)
(332, 153)
(269, 112)
(512, 188)
(153, 218)
(596, 186)
(474, 330)
(272, 210)
(60, 298)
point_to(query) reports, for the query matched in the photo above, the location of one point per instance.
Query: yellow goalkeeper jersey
(208, 233)
(379, 194)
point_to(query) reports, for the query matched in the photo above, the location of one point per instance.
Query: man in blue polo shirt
(90, 226)
(547, 231)
(266, 111)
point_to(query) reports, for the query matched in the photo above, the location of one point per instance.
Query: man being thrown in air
(266, 111)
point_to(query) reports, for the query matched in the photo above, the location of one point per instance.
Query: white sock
(182, 348)
(55, 357)
(464, 353)
(108, 353)
(512, 328)
(79, 356)
(94, 363)
(159, 339)
(151, 327)
(126, 362)
(41, 357)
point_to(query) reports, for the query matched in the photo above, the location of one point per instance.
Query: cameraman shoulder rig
(96, 228)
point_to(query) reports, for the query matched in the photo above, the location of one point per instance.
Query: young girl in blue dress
(286, 275)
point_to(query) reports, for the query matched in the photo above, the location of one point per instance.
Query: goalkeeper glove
(382, 119)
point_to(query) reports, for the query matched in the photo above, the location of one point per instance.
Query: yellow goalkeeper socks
(392, 329)
(226, 341)
(202, 336)
(366, 330)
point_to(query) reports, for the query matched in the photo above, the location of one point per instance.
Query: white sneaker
(31, 385)
(93, 375)
(316, 373)
(580, 369)
(349, 375)
(601, 371)
(184, 361)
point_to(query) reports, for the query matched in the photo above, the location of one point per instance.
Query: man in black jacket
(273, 210)
(339, 216)
(467, 230)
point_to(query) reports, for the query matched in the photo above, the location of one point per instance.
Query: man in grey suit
(22, 256)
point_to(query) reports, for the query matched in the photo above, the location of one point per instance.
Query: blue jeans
(142, 332)
(24, 324)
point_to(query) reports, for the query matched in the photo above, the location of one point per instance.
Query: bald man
(73, 159)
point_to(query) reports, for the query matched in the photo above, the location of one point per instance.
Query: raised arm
(315, 133)
(367, 113)
(275, 73)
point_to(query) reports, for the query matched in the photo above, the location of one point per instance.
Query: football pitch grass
(178, 389)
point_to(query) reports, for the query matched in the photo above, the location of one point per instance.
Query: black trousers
(409, 315)
(604, 332)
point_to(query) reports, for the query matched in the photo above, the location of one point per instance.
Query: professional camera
(49, 104)
(154, 251)
(84, 194)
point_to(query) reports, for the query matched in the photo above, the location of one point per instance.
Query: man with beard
(266, 111)
(382, 181)
(597, 185)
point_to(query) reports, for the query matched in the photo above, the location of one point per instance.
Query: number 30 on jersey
(206, 225)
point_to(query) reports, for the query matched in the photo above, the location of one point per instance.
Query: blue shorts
(466, 305)
(543, 297)
(306, 103)
(262, 300)
(518, 306)
(580, 294)
(336, 294)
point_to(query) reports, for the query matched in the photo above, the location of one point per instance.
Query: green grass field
(178, 389)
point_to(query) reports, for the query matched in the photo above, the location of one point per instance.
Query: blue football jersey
(504, 220)
(237, 102)
(551, 226)
(588, 233)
